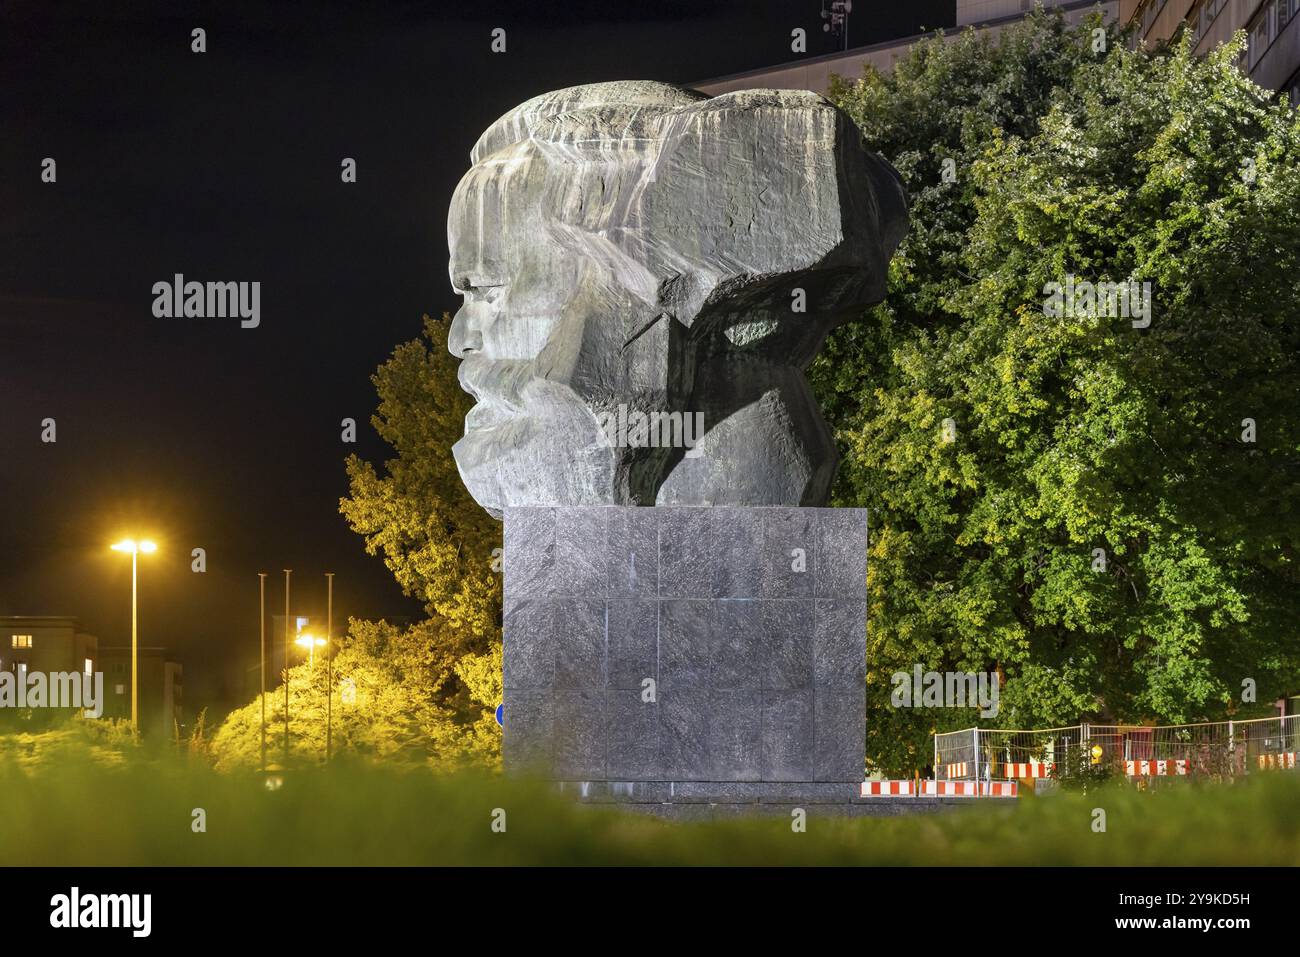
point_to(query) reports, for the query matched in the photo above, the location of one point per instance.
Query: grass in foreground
(70, 809)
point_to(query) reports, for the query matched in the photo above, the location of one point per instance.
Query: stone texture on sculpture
(635, 249)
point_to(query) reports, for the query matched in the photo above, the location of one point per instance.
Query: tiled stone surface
(646, 646)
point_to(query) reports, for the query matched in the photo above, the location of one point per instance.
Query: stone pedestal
(686, 649)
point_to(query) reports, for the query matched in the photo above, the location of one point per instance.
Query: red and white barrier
(957, 770)
(1154, 768)
(889, 789)
(1029, 769)
(1000, 789)
(996, 789)
(969, 788)
(949, 788)
(1284, 760)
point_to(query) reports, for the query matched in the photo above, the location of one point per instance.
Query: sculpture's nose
(464, 336)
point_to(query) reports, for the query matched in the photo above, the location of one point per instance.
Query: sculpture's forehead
(491, 202)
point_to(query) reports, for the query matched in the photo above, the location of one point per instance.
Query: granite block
(838, 754)
(528, 731)
(840, 645)
(578, 628)
(529, 552)
(759, 669)
(632, 728)
(579, 734)
(787, 643)
(736, 541)
(841, 553)
(736, 736)
(684, 716)
(580, 568)
(632, 628)
(789, 552)
(788, 735)
(685, 643)
(528, 644)
(686, 560)
(736, 645)
(632, 552)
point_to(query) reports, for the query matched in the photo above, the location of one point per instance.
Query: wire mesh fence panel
(1208, 749)
(954, 755)
(988, 754)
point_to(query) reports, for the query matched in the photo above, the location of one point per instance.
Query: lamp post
(287, 573)
(134, 547)
(329, 667)
(261, 587)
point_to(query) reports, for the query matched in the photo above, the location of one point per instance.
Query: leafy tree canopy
(1002, 451)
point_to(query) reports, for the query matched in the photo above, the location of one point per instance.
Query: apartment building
(1272, 28)
(161, 696)
(48, 643)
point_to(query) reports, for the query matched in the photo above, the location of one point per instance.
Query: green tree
(424, 694)
(1003, 451)
(384, 710)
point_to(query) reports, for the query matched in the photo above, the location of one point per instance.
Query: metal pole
(135, 647)
(287, 573)
(329, 666)
(261, 620)
(975, 738)
(936, 756)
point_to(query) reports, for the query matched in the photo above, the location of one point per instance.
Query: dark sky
(225, 166)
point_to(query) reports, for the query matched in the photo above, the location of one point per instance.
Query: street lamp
(134, 547)
(311, 643)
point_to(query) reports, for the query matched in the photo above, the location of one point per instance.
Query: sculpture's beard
(548, 451)
(775, 450)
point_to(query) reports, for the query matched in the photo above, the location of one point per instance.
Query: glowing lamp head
(131, 546)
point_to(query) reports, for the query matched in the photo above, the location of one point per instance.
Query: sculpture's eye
(488, 294)
(476, 289)
(751, 331)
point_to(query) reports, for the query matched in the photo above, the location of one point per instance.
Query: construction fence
(1217, 749)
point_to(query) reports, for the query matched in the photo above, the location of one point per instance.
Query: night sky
(224, 166)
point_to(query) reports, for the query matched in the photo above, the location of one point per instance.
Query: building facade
(1272, 29)
(48, 643)
(161, 696)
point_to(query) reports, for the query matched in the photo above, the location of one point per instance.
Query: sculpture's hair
(815, 200)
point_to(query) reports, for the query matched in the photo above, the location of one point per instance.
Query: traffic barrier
(999, 789)
(1284, 760)
(889, 789)
(1154, 768)
(969, 788)
(1027, 769)
(955, 770)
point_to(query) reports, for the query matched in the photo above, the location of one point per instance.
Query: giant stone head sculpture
(647, 272)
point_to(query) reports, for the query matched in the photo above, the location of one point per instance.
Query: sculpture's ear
(753, 186)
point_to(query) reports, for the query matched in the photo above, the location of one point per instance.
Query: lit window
(119, 689)
(22, 641)
(90, 667)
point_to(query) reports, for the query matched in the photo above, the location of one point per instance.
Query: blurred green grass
(74, 807)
